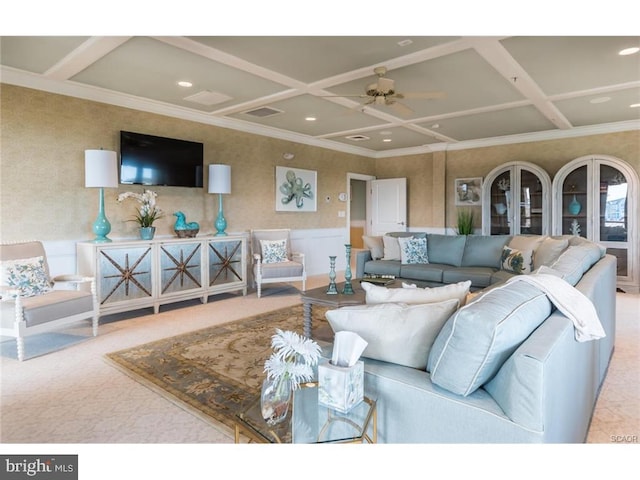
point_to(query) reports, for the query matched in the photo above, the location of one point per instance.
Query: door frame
(366, 178)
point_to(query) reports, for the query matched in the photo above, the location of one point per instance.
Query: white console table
(136, 274)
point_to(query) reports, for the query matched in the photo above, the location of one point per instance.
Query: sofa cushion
(375, 246)
(516, 261)
(382, 267)
(428, 272)
(548, 251)
(480, 337)
(484, 250)
(391, 248)
(576, 260)
(479, 276)
(410, 294)
(413, 250)
(395, 333)
(445, 249)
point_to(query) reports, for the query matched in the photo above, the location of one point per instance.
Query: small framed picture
(468, 191)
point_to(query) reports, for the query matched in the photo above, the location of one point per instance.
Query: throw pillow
(413, 250)
(394, 332)
(549, 251)
(27, 275)
(527, 242)
(482, 335)
(391, 248)
(375, 246)
(413, 295)
(516, 261)
(576, 260)
(274, 251)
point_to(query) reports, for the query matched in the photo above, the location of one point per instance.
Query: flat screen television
(150, 160)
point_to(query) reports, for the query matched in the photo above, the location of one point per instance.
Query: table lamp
(220, 182)
(101, 171)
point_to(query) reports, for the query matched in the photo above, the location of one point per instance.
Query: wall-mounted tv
(150, 160)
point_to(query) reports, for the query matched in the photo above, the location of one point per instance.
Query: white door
(388, 205)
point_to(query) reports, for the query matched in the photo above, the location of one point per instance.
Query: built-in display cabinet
(149, 273)
(595, 197)
(516, 199)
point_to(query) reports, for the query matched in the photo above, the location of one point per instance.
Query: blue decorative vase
(147, 233)
(574, 206)
(332, 290)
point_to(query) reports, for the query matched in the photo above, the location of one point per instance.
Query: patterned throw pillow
(27, 275)
(274, 251)
(516, 261)
(413, 250)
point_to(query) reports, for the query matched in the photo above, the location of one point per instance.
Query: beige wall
(42, 172)
(42, 190)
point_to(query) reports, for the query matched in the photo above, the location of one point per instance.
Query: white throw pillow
(395, 333)
(549, 251)
(375, 246)
(391, 248)
(413, 250)
(274, 251)
(412, 295)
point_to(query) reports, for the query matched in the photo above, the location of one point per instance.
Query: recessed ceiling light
(404, 43)
(435, 125)
(387, 140)
(310, 119)
(600, 100)
(629, 51)
(185, 84)
(634, 105)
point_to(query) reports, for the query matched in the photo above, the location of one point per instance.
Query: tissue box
(340, 388)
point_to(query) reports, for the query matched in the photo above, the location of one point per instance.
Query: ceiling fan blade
(400, 108)
(421, 95)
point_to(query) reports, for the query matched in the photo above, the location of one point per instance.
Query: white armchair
(273, 259)
(30, 304)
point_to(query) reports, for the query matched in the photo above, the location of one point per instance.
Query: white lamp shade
(100, 168)
(219, 178)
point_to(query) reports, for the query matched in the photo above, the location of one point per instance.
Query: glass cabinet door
(516, 200)
(592, 199)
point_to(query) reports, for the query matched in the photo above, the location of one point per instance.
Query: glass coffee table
(310, 422)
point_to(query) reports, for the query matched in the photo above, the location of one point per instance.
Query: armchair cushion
(50, 306)
(27, 275)
(274, 251)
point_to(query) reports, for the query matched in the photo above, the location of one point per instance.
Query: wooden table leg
(306, 319)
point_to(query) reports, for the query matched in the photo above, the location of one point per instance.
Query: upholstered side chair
(30, 303)
(273, 259)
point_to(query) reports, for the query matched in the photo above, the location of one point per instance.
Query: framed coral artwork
(296, 190)
(468, 191)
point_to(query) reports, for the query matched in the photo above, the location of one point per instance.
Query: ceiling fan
(383, 93)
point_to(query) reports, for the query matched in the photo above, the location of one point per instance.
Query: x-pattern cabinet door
(126, 274)
(180, 267)
(227, 262)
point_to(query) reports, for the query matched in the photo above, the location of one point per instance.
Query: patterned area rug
(215, 372)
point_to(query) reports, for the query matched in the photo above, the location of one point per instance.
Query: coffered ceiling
(493, 89)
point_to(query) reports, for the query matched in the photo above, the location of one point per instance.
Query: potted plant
(465, 221)
(147, 213)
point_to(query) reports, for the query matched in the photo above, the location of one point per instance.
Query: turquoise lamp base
(102, 226)
(221, 223)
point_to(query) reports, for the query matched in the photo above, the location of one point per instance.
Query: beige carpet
(217, 371)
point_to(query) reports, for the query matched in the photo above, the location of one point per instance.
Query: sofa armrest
(362, 257)
(71, 278)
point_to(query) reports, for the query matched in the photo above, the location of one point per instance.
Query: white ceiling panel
(494, 89)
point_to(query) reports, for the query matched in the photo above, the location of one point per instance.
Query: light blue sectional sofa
(541, 388)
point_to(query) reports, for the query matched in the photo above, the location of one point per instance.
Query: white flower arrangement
(148, 211)
(293, 358)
